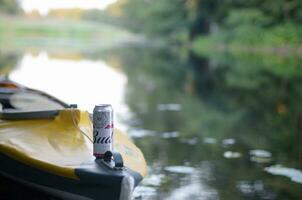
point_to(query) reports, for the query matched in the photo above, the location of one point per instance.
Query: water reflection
(294, 174)
(231, 154)
(193, 185)
(8, 61)
(215, 127)
(84, 82)
(227, 107)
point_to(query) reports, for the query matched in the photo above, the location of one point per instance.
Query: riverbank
(52, 33)
(284, 40)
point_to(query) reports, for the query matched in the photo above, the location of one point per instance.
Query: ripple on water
(140, 133)
(180, 169)
(172, 134)
(153, 180)
(255, 189)
(231, 154)
(260, 153)
(260, 156)
(169, 107)
(228, 142)
(295, 175)
(144, 192)
(189, 141)
(194, 187)
(209, 140)
(247, 187)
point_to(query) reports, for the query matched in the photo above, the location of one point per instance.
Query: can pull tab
(114, 160)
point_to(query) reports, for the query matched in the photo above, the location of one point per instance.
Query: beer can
(102, 129)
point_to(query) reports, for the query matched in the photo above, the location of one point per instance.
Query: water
(212, 127)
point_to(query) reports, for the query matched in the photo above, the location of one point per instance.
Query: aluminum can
(102, 129)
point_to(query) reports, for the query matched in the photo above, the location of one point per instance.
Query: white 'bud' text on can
(102, 129)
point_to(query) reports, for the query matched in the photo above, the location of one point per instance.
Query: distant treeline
(245, 21)
(253, 23)
(11, 7)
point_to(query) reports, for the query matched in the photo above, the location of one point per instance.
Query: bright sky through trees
(43, 6)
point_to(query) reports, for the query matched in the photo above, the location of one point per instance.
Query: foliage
(154, 18)
(250, 22)
(10, 7)
(75, 13)
(8, 61)
(248, 16)
(52, 33)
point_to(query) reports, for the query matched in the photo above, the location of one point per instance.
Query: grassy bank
(284, 39)
(18, 32)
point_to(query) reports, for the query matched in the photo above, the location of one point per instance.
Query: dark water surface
(211, 127)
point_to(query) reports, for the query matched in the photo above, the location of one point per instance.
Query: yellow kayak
(46, 144)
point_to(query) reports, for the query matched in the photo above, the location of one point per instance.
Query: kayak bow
(51, 150)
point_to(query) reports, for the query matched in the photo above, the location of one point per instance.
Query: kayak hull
(95, 181)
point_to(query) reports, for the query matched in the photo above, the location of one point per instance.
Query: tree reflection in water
(253, 101)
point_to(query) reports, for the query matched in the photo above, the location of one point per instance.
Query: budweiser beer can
(102, 129)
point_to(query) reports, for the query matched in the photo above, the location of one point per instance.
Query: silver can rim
(103, 105)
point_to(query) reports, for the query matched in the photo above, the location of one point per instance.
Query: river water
(217, 126)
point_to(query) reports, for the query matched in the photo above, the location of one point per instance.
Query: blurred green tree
(11, 7)
(187, 19)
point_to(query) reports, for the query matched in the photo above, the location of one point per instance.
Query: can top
(103, 106)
